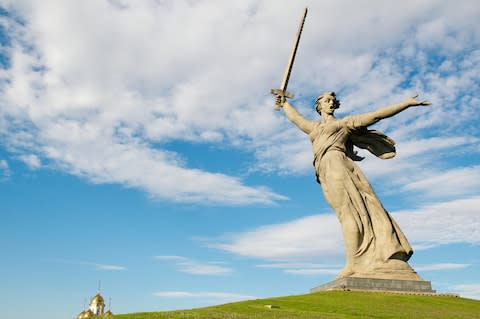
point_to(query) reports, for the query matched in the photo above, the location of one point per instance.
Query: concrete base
(371, 284)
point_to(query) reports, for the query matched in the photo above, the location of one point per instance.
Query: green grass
(331, 304)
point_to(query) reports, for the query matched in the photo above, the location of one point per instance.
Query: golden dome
(97, 300)
(85, 314)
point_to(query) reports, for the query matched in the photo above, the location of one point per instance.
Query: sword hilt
(284, 94)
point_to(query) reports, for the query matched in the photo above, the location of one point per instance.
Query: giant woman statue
(375, 245)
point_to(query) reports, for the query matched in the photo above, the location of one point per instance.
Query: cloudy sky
(139, 146)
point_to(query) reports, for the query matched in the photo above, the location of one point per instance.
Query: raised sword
(282, 91)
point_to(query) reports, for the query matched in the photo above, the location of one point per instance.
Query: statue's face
(327, 104)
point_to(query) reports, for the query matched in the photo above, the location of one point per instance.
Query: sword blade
(293, 53)
(282, 91)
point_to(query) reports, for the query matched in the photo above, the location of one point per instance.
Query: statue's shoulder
(347, 118)
(350, 121)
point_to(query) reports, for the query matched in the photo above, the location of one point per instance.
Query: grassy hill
(331, 304)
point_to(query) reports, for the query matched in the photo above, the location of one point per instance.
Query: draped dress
(375, 244)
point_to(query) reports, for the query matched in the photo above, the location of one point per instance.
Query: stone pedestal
(373, 284)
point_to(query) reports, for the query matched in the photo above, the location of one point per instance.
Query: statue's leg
(336, 190)
(352, 242)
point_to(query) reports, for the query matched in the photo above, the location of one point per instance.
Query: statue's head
(327, 102)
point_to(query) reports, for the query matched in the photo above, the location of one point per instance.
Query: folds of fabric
(369, 231)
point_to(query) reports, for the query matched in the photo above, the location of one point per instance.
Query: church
(96, 308)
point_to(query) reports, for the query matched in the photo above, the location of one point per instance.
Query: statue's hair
(323, 95)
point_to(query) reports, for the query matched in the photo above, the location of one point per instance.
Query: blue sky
(139, 147)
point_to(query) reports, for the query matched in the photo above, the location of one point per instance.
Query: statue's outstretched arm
(292, 114)
(388, 111)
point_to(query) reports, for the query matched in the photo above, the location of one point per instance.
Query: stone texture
(369, 284)
(375, 245)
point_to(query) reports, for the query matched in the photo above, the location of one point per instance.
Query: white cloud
(303, 238)
(416, 157)
(158, 173)
(4, 169)
(295, 265)
(194, 267)
(450, 222)
(171, 258)
(96, 266)
(305, 269)
(110, 267)
(314, 271)
(31, 160)
(467, 290)
(319, 237)
(440, 266)
(100, 100)
(97, 110)
(206, 295)
(422, 171)
(454, 182)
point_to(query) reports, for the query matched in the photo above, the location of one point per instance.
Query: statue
(375, 246)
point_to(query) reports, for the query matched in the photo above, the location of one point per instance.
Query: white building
(95, 309)
(97, 305)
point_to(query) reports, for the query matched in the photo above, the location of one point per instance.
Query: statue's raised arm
(370, 118)
(292, 114)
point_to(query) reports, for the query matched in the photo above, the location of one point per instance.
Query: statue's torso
(331, 136)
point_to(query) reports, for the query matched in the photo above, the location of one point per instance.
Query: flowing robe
(374, 242)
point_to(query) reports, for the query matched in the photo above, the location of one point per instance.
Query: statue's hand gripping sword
(282, 91)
